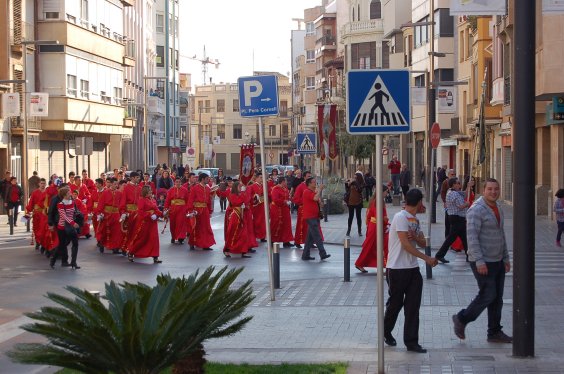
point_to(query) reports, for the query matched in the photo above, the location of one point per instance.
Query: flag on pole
(327, 128)
(247, 163)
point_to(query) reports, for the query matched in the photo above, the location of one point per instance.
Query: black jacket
(8, 192)
(53, 212)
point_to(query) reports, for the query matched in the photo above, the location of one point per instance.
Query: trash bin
(396, 200)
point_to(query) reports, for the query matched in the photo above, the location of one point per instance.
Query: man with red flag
(109, 234)
(175, 210)
(200, 201)
(301, 224)
(257, 200)
(128, 208)
(38, 205)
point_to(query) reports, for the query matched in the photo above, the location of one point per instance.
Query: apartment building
(222, 130)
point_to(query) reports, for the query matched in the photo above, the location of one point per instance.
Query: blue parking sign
(258, 96)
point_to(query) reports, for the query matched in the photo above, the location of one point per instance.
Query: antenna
(205, 60)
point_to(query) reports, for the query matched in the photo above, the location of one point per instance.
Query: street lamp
(145, 124)
(25, 172)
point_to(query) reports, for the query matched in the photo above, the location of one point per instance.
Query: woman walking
(368, 256)
(354, 201)
(559, 210)
(67, 229)
(145, 240)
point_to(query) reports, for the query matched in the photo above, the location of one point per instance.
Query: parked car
(203, 171)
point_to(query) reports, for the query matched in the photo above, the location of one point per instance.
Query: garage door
(52, 158)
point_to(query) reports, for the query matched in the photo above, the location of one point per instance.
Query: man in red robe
(311, 198)
(93, 202)
(256, 191)
(128, 208)
(200, 201)
(38, 205)
(89, 183)
(280, 220)
(176, 209)
(83, 192)
(147, 182)
(109, 234)
(301, 225)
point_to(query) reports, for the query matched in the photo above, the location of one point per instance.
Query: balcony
(327, 42)
(498, 91)
(17, 123)
(363, 27)
(129, 53)
(155, 105)
(20, 31)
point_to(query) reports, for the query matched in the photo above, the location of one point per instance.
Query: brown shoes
(458, 327)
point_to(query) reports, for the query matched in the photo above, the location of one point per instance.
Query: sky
(232, 30)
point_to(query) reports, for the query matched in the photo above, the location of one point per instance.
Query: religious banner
(247, 163)
(327, 121)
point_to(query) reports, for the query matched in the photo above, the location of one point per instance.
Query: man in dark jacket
(13, 198)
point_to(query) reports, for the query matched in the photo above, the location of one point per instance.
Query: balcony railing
(373, 25)
(326, 40)
(507, 90)
(33, 123)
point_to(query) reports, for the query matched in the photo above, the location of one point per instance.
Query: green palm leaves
(136, 328)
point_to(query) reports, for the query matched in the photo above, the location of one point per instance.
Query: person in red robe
(256, 191)
(368, 255)
(128, 208)
(147, 182)
(89, 183)
(280, 220)
(236, 241)
(176, 209)
(199, 202)
(249, 220)
(82, 208)
(93, 202)
(301, 225)
(109, 234)
(145, 237)
(83, 192)
(271, 182)
(37, 205)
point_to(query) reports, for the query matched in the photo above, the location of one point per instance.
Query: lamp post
(25, 172)
(145, 124)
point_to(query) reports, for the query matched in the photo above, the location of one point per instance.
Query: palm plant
(144, 329)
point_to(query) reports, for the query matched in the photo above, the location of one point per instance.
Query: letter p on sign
(251, 89)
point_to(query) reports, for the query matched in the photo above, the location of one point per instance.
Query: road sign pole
(266, 210)
(380, 252)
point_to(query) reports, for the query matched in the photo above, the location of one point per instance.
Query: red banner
(247, 163)
(327, 122)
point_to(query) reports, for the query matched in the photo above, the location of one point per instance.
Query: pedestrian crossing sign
(378, 102)
(306, 143)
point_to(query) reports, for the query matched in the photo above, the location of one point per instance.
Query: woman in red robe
(249, 220)
(145, 239)
(368, 256)
(236, 241)
(280, 220)
(176, 204)
(85, 229)
(109, 234)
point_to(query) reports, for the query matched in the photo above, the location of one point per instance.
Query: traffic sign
(378, 102)
(258, 96)
(435, 135)
(306, 143)
(191, 153)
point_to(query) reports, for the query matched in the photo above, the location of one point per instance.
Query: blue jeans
(490, 296)
(396, 183)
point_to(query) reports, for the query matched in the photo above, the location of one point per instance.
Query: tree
(143, 329)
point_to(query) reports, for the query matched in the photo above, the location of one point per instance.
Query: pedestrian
(311, 214)
(175, 211)
(280, 220)
(145, 239)
(99, 187)
(456, 206)
(444, 190)
(441, 177)
(147, 182)
(405, 179)
(165, 182)
(395, 169)
(3, 185)
(489, 260)
(128, 207)
(559, 210)
(108, 234)
(84, 229)
(369, 183)
(301, 224)
(354, 188)
(405, 284)
(68, 226)
(257, 201)
(468, 186)
(33, 182)
(368, 256)
(236, 241)
(13, 199)
(37, 208)
(181, 170)
(200, 201)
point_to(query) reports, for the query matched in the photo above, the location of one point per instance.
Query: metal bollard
(11, 220)
(347, 260)
(325, 210)
(276, 264)
(428, 268)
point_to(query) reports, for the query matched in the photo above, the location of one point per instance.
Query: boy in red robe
(109, 234)
(176, 209)
(200, 201)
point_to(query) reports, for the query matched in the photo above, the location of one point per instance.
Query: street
(316, 316)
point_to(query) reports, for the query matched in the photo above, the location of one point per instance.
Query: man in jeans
(311, 197)
(489, 260)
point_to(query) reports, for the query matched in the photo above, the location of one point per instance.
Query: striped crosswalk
(378, 119)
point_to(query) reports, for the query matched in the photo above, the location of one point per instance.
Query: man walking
(311, 197)
(489, 260)
(395, 170)
(404, 278)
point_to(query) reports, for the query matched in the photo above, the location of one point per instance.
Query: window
(363, 55)
(200, 106)
(421, 33)
(117, 95)
(235, 105)
(51, 15)
(444, 23)
(364, 63)
(84, 10)
(159, 26)
(285, 130)
(208, 106)
(160, 56)
(461, 48)
(84, 89)
(310, 83)
(272, 130)
(284, 108)
(104, 97)
(310, 28)
(221, 130)
(71, 85)
(420, 80)
(176, 58)
(237, 131)
(310, 56)
(375, 9)
(220, 104)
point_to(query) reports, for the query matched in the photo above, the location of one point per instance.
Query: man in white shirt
(404, 279)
